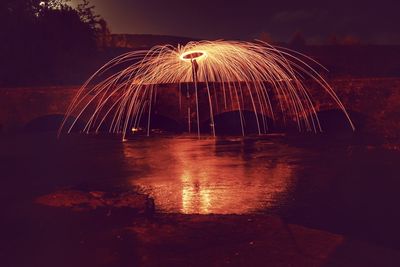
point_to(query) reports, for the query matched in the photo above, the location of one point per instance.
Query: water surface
(223, 176)
(339, 186)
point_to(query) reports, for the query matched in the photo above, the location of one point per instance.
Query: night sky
(375, 22)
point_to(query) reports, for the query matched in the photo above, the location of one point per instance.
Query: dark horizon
(318, 22)
(126, 140)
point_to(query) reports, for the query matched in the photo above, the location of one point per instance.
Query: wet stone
(92, 200)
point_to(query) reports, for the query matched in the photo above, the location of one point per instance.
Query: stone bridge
(374, 104)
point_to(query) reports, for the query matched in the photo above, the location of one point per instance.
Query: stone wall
(377, 99)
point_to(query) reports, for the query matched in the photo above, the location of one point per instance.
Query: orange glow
(135, 130)
(259, 69)
(190, 55)
(187, 178)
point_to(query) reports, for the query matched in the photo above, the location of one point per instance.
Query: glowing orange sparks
(251, 70)
(190, 55)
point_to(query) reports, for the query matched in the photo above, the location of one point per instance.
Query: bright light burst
(257, 71)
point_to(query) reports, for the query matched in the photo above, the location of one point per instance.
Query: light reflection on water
(339, 186)
(211, 176)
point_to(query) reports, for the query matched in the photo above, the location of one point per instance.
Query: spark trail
(254, 70)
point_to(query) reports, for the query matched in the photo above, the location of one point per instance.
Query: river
(340, 186)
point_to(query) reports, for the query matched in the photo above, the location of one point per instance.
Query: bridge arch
(52, 123)
(158, 123)
(229, 123)
(162, 122)
(334, 121)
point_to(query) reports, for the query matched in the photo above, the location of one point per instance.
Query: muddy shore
(72, 228)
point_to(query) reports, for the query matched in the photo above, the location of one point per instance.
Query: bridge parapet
(376, 98)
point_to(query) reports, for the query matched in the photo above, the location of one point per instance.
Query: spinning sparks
(191, 55)
(241, 75)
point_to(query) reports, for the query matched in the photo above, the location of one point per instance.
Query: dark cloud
(296, 16)
(371, 21)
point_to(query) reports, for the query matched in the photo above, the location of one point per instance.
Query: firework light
(253, 70)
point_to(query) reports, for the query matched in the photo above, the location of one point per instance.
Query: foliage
(42, 40)
(87, 15)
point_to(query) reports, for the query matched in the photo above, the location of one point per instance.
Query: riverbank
(75, 202)
(121, 236)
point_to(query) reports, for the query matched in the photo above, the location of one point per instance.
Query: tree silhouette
(104, 35)
(87, 15)
(97, 24)
(46, 41)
